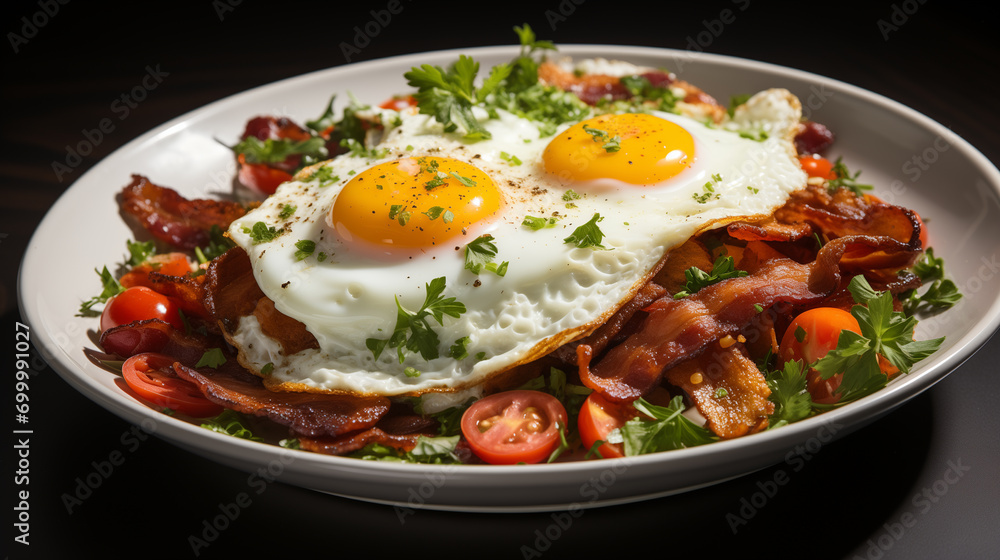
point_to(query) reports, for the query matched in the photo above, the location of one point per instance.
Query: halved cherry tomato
(260, 177)
(514, 427)
(816, 166)
(152, 377)
(599, 417)
(138, 303)
(820, 329)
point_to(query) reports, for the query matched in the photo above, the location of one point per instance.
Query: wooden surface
(857, 498)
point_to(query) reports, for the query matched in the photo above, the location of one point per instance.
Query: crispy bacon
(154, 335)
(168, 216)
(353, 442)
(745, 407)
(309, 414)
(679, 329)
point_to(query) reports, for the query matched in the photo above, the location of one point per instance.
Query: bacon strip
(745, 407)
(679, 329)
(154, 335)
(168, 216)
(310, 414)
(354, 442)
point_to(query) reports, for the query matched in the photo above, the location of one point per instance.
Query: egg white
(552, 292)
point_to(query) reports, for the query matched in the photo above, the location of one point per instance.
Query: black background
(850, 500)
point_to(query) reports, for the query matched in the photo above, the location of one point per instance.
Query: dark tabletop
(919, 483)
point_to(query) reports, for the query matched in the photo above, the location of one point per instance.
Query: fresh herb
(428, 450)
(269, 151)
(846, 179)
(940, 294)
(267, 369)
(737, 100)
(588, 235)
(435, 212)
(261, 233)
(668, 430)
(460, 350)
(724, 268)
(611, 144)
(230, 423)
(325, 176)
(449, 94)
(413, 331)
(304, 248)
(511, 159)
(111, 288)
(571, 396)
(792, 402)
(213, 358)
(464, 180)
(396, 212)
(479, 254)
(286, 211)
(884, 332)
(139, 251)
(218, 244)
(708, 190)
(357, 148)
(326, 120)
(536, 223)
(644, 93)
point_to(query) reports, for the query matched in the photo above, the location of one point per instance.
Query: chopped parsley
(261, 233)
(139, 251)
(464, 180)
(218, 244)
(511, 159)
(428, 450)
(286, 211)
(325, 176)
(588, 235)
(397, 212)
(413, 331)
(724, 268)
(479, 254)
(792, 402)
(230, 423)
(536, 223)
(435, 212)
(708, 190)
(611, 144)
(304, 248)
(255, 150)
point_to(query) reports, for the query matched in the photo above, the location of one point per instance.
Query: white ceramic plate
(912, 160)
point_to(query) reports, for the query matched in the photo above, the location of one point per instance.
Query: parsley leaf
(413, 331)
(846, 179)
(450, 94)
(941, 294)
(788, 393)
(536, 223)
(724, 268)
(668, 430)
(261, 233)
(213, 358)
(267, 151)
(883, 331)
(139, 251)
(305, 247)
(218, 244)
(428, 450)
(111, 289)
(480, 253)
(229, 422)
(588, 235)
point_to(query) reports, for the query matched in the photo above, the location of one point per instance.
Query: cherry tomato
(820, 329)
(514, 427)
(261, 178)
(170, 264)
(139, 303)
(152, 377)
(598, 417)
(816, 166)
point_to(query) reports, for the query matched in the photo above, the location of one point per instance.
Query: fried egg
(579, 220)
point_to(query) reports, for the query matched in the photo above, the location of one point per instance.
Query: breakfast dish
(296, 244)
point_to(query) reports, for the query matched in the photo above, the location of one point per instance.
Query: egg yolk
(414, 203)
(634, 148)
